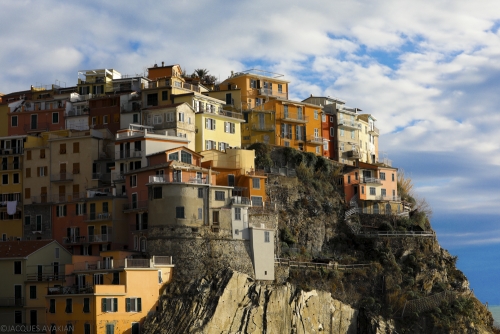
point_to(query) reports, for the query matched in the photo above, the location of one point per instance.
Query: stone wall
(33, 210)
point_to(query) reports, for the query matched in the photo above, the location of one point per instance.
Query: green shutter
(127, 304)
(139, 306)
(115, 303)
(104, 304)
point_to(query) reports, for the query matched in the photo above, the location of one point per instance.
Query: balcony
(118, 177)
(138, 206)
(348, 123)
(70, 290)
(74, 240)
(354, 154)
(263, 127)
(275, 93)
(388, 198)
(61, 177)
(45, 277)
(221, 112)
(13, 166)
(12, 301)
(97, 216)
(295, 118)
(374, 131)
(372, 180)
(101, 238)
(315, 140)
(241, 200)
(44, 126)
(127, 154)
(11, 151)
(77, 112)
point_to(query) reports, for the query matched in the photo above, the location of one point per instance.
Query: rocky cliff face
(231, 302)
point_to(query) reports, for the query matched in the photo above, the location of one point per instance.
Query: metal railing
(370, 180)
(263, 127)
(43, 126)
(315, 140)
(74, 239)
(241, 200)
(138, 205)
(387, 198)
(70, 290)
(77, 112)
(293, 117)
(128, 154)
(271, 92)
(97, 216)
(61, 177)
(348, 123)
(101, 237)
(10, 151)
(12, 166)
(117, 177)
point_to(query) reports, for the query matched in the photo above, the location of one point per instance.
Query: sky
(428, 71)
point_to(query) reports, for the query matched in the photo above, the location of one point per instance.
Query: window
(315, 114)
(27, 220)
(5, 179)
(81, 209)
(39, 223)
(42, 171)
(266, 236)
(32, 291)
(210, 124)
(186, 157)
(61, 211)
(173, 156)
(98, 279)
(332, 132)
(15, 178)
(229, 127)
(180, 118)
(109, 304)
(200, 213)
(256, 201)
(342, 132)
(18, 318)
(215, 217)
(325, 145)
(348, 178)
(55, 117)
(157, 192)
(133, 180)
(280, 88)
(256, 183)
(383, 192)
(342, 146)
(200, 192)
(382, 175)
(69, 305)
(157, 119)
(152, 99)
(237, 213)
(110, 329)
(133, 305)
(392, 177)
(372, 191)
(28, 155)
(42, 153)
(13, 121)
(323, 118)
(17, 267)
(116, 277)
(352, 134)
(179, 212)
(164, 95)
(76, 147)
(210, 145)
(355, 175)
(62, 148)
(362, 189)
(220, 195)
(52, 306)
(285, 111)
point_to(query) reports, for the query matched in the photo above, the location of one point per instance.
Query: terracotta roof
(17, 249)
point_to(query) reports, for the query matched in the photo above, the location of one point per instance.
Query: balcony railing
(73, 240)
(123, 263)
(44, 126)
(388, 198)
(61, 177)
(118, 177)
(12, 301)
(77, 112)
(263, 127)
(97, 216)
(11, 151)
(100, 238)
(70, 290)
(297, 118)
(136, 206)
(315, 140)
(354, 154)
(270, 92)
(348, 123)
(241, 200)
(12, 166)
(370, 180)
(128, 154)
(374, 130)
(44, 277)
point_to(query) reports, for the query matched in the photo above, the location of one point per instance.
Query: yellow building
(270, 116)
(28, 268)
(97, 82)
(112, 293)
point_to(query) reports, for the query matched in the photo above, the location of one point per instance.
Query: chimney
(162, 64)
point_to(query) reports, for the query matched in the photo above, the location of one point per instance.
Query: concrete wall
(263, 253)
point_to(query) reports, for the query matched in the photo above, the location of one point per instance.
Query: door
(56, 270)
(33, 318)
(104, 233)
(91, 233)
(34, 121)
(62, 171)
(92, 211)
(135, 328)
(40, 272)
(18, 297)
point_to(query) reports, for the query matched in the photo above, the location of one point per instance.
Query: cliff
(382, 275)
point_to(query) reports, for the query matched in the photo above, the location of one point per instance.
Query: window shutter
(115, 303)
(214, 124)
(38, 171)
(139, 306)
(57, 211)
(45, 170)
(104, 305)
(206, 123)
(127, 304)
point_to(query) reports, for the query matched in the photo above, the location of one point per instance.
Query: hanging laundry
(11, 207)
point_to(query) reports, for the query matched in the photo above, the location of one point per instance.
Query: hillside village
(110, 188)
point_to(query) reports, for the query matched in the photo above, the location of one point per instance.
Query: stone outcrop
(231, 302)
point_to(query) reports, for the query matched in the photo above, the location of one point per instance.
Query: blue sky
(428, 71)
